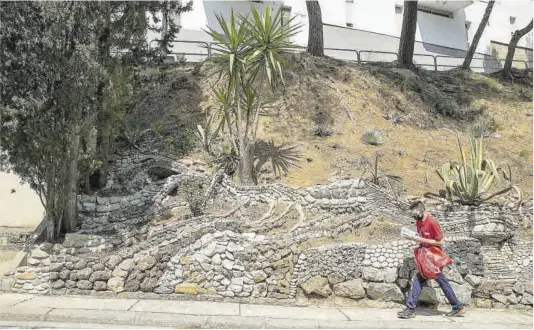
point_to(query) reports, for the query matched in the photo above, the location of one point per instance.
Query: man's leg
(417, 286)
(449, 293)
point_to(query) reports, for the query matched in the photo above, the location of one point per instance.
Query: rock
(351, 289)
(100, 286)
(116, 284)
(385, 292)
(39, 254)
(33, 262)
(216, 259)
(390, 275)
(55, 267)
(519, 287)
(260, 290)
(499, 297)
(80, 265)
(483, 303)
(164, 289)
(26, 276)
(473, 280)
(146, 263)
(403, 283)
(259, 276)
(100, 275)
(84, 285)
(452, 275)
(463, 292)
(372, 274)
(232, 247)
(228, 264)
(98, 267)
(64, 274)
(84, 274)
(335, 278)
(113, 261)
(117, 272)
(499, 305)
(187, 288)
(127, 265)
(527, 299)
(132, 285)
(148, 284)
(70, 284)
(429, 295)
(511, 299)
(59, 284)
(317, 285)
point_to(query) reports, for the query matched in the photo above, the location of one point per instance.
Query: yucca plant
(471, 181)
(248, 61)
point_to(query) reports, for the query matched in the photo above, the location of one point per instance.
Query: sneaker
(406, 314)
(456, 313)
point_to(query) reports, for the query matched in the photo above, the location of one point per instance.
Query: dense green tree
(61, 81)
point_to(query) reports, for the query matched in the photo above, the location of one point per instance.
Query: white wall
(499, 28)
(378, 16)
(21, 208)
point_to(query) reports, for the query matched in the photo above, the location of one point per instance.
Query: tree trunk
(315, 32)
(407, 38)
(246, 162)
(105, 137)
(478, 35)
(164, 29)
(104, 118)
(50, 204)
(71, 182)
(511, 47)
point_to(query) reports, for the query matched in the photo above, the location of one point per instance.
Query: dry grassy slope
(373, 96)
(414, 148)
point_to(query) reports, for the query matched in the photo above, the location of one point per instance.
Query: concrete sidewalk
(22, 310)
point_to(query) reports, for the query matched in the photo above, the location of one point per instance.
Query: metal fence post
(435, 63)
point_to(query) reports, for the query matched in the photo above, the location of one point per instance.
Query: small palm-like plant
(374, 138)
(282, 157)
(471, 181)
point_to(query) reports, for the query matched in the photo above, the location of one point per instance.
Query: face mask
(418, 216)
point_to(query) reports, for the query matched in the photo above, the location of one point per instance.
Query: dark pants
(417, 286)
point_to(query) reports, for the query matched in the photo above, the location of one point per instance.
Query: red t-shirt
(429, 228)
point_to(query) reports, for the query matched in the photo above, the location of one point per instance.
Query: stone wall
(262, 245)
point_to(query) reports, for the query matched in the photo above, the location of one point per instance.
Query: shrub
(323, 130)
(483, 128)
(374, 138)
(492, 84)
(192, 190)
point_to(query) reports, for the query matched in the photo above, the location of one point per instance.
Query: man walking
(429, 235)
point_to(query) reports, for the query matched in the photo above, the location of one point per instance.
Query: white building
(444, 28)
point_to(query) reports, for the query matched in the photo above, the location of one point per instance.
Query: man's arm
(429, 241)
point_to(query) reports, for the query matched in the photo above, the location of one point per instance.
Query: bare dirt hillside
(327, 105)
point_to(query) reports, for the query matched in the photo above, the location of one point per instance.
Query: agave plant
(471, 181)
